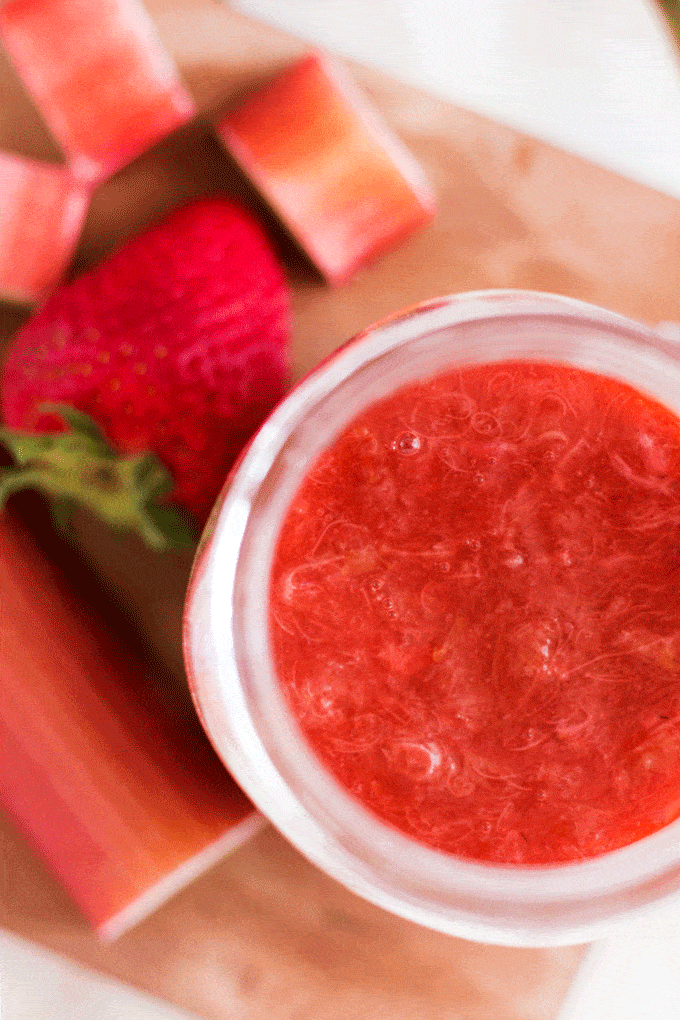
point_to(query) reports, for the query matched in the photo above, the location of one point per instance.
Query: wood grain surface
(265, 934)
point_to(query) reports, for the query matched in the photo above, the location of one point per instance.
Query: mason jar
(228, 645)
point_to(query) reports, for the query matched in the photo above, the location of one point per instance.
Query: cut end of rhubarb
(169, 885)
(41, 215)
(107, 88)
(337, 176)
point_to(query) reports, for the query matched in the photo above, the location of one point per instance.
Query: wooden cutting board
(265, 934)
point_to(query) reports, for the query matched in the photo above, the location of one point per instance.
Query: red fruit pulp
(475, 612)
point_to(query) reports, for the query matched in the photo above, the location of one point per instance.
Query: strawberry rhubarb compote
(475, 612)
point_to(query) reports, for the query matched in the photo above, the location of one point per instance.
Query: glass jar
(227, 649)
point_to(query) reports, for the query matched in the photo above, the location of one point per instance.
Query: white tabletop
(597, 77)
(632, 976)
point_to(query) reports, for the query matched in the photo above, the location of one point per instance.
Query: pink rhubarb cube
(42, 208)
(337, 176)
(100, 76)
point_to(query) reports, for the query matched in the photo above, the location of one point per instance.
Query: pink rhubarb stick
(42, 208)
(337, 176)
(107, 88)
(124, 803)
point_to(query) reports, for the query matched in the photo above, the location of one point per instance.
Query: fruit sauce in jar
(475, 612)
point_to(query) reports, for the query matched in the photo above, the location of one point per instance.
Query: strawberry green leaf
(173, 523)
(78, 420)
(11, 482)
(79, 467)
(62, 515)
(26, 446)
(149, 476)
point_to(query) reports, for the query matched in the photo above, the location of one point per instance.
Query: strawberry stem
(79, 467)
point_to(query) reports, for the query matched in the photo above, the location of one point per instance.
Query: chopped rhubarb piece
(100, 76)
(41, 214)
(336, 175)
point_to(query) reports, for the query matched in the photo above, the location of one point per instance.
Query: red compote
(475, 612)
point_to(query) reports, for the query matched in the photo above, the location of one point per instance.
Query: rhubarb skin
(42, 210)
(124, 801)
(104, 83)
(338, 178)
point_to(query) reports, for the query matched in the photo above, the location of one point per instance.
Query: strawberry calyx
(79, 467)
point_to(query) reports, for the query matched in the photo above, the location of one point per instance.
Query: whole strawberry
(134, 388)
